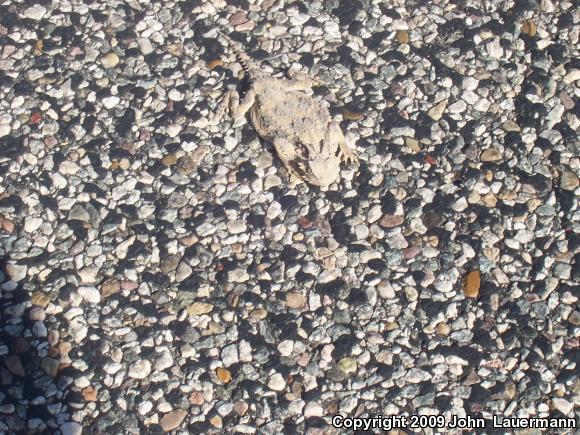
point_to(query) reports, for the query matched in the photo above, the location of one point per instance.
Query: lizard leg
(237, 109)
(300, 81)
(286, 153)
(345, 153)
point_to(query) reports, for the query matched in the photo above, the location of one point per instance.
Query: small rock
(470, 83)
(183, 271)
(472, 284)
(31, 224)
(574, 318)
(35, 12)
(110, 102)
(14, 365)
(223, 374)
(16, 272)
(436, 112)
(568, 180)
(276, 382)
(313, 409)
(198, 308)
(110, 60)
(510, 125)
(169, 160)
(89, 394)
(385, 290)
(196, 398)
(241, 407)
(391, 221)
(172, 420)
(216, 421)
(7, 225)
(50, 366)
(145, 46)
(494, 48)
(229, 355)
(490, 155)
(169, 263)
(402, 36)
(90, 294)
(71, 428)
(295, 300)
(186, 165)
(110, 287)
(458, 107)
(139, 369)
(563, 405)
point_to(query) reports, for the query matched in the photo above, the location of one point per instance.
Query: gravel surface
(158, 274)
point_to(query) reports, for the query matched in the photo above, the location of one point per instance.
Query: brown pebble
(172, 419)
(402, 36)
(216, 421)
(223, 375)
(7, 225)
(472, 283)
(391, 221)
(189, 240)
(443, 328)
(238, 18)
(89, 394)
(110, 287)
(169, 160)
(295, 300)
(129, 285)
(490, 155)
(196, 398)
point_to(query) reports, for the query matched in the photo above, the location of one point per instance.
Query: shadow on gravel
(31, 391)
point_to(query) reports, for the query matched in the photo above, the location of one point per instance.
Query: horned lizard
(309, 143)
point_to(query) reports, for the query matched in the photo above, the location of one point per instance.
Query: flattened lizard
(308, 142)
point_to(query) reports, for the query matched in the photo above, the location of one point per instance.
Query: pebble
(110, 102)
(71, 428)
(172, 420)
(313, 409)
(276, 382)
(436, 112)
(568, 180)
(145, 46)
(490, 155)
(110, 60)
(391, 221)
(110, 287)
(90, 294)
(472, 284)
(16, 272)
(31, 224)
(139, 369)
(470, 83)
(35, 12)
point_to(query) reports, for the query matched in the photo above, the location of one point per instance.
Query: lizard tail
(244, 59)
